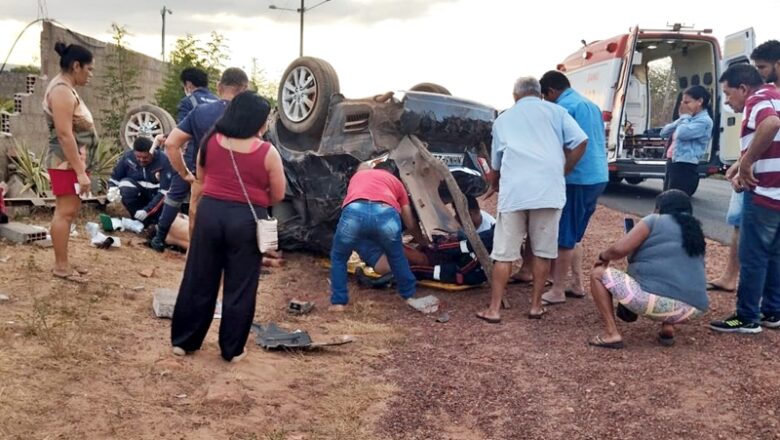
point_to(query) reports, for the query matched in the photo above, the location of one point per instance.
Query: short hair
(699, 92)
(234, 77)
(527, 85)
(387, 165)
(198, 77)
(142, 144)
(555, 80)
(72, 53)
(740, 74)
(472, 203)
(767, 51)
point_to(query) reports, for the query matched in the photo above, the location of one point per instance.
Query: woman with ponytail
(665, 280)
(72, 138)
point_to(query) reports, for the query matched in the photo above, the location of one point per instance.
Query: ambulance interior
(662, 70)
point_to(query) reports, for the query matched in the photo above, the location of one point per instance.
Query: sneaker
(733, 324)
(771, 321)
(156, 244)
(178, 351)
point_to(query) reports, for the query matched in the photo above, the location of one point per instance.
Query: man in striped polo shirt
(758, 295)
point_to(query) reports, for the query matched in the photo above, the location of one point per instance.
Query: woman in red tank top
(235, 167)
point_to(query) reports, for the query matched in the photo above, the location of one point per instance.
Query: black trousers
(224, 243)
(682, 176)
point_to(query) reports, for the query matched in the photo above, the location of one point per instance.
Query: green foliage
(190, 52)
(105, 158)
(29, 69)
(31, 170)
(7, 105)
(121, 84)
(663, 91)
(259, 83)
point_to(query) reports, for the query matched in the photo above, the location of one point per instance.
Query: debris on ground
(4, 297)
(426, 304)
(163, 302)
(22, 233)
(148, 272)
(100, 240)
(297, 307)
(272, 336)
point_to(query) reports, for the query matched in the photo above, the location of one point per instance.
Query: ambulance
(637, 80)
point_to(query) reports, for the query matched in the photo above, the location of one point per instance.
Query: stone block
(163, 302)
(21, 233)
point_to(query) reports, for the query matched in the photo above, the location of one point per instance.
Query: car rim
(144, 124)
(299, 95)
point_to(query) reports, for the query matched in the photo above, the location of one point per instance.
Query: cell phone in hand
(628, 224)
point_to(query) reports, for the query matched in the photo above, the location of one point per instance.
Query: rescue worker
(142, 177)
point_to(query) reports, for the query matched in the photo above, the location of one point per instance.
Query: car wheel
(634, 180)
(147, 121)
(304, 95)
(431, 88)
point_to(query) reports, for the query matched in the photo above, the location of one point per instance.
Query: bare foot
(489, 316)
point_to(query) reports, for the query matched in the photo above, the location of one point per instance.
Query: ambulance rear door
(737, 48)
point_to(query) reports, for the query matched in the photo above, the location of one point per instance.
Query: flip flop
(665, 340)
(600, 343)
(573, 294)
(714, 286)
(74, 277)
(546, 302)
(479, 315)
(81, 270)
(537, 315)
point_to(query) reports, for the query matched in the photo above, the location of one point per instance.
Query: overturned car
(323, 137)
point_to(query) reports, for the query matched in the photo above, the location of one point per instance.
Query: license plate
(449, 159)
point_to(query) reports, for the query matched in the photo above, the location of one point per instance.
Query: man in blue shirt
(142, 177)
(584, 185)
(195, 82)
(535, 144)
(193, 128)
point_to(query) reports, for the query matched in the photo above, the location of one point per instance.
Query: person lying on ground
(141, 176)
(665, 280)
(179, 236)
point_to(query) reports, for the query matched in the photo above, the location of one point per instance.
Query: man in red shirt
(376, 203)
(758, 294)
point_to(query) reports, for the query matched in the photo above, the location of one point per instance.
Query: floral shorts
(658, 308)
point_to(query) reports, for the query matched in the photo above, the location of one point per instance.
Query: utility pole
(302, 10)
(163, 12)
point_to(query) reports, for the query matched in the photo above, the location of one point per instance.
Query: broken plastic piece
(299, 307)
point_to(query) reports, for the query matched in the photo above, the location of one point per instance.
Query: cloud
(144, 15)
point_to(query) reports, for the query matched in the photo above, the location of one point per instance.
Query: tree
(663, 91)
(120, 86)
(189, 52)
(260, 84)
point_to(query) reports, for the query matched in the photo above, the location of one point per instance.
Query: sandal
(600, 343)
(537, 315)
(572, 294)
(489, 320)
(73, 277)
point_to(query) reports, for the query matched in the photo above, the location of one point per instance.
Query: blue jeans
(759, 257)
(377, 222)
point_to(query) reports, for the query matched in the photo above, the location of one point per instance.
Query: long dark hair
(72, 53)
(244, 116)
(677, 204)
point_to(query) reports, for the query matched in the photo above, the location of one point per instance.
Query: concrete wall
(11, 83)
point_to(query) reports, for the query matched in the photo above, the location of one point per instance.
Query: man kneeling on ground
(376, 203)
(141, 176)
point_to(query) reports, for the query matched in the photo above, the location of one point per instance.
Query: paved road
(710, 203)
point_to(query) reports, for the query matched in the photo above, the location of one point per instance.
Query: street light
(302, 10)
(163, 12)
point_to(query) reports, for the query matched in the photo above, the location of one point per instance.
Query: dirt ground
(92, 362)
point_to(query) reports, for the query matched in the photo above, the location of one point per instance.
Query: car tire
(304, 108)
(431, 88)
(634, 180)
(145, 120)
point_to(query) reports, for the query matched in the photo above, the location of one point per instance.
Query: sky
(475, 48)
